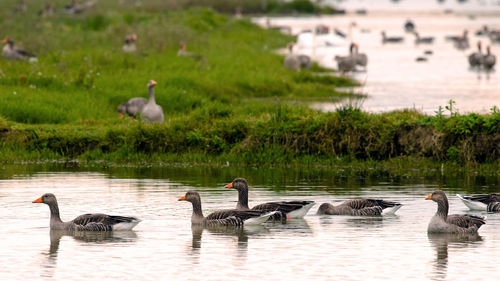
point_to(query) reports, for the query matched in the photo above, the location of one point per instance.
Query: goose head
(47, 198)
(8, 40)
(191, 196)
(437, 196)
(151, 83)
(238, 184)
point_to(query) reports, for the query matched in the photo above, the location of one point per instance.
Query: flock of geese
(353, 59)
(281, 211)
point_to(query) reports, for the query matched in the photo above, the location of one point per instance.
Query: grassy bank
(238, 104)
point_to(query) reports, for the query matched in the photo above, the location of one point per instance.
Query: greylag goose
(133, 107)
(305, 61)
(291, 61)
(361, 58)
(359, 207)
(489, 59)
(47, 11)
(182, 52)
(285, 209)
(10, 51)
(74, 7)
(129, 44)
(482, 202)
(222, 217)
(423, 40)
(455, 38)
(346, 63)
(87, 222)
(441, 222)
(475, 59)
(393, 39)
(152, 112)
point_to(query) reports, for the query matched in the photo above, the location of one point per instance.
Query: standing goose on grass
(152, 112)
(476, 59)
(482, 202)
(441, 222)
(359, 207)
(423, 40)
(12, 52)
(291, 61)
(346, 63)
(133, 107)
(222, 217)
(87, 222)
(393, 39)
(285, 209)
(489, 59)
(129, 44)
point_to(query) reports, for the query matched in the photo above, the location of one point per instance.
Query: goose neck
(442, 209)
(242, 199)
(152, 94)
(197, 215)
(54, 212)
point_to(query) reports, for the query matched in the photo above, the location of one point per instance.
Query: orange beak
(183, 198)
(121, 115)
(5, 40)
(428, 197)
(39, 200)
(229, 185)
(153, 82)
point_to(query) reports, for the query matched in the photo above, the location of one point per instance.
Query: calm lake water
(393, 79)
(164, 246)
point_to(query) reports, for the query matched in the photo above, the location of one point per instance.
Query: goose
(22, 7)
(421, 59)
(489, 59)
(393, 39)
(423, 40)
(87, 222)
(183, 53)
(441, 222)
(454, 38)
(152, 112)
(12, 52)
(133, 107)
(346, 63)
(74, 7)
(129, 44)
(285, 209)
(360, 207)
(47, 11)
(475, 59)
(222, 217)
(305, 61)
(361, 58)
(484, 31)
(482, 202)
(291, 61)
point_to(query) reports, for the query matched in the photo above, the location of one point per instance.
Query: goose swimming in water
(482, 202)
(87, 222)
(359, 207)
(489, 59)
(285, 209)
(222, 217)
(423, 40)
(152, 112)
(441, 222)
(476, 58)
(393, 39)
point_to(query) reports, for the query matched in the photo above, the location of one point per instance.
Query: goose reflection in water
(241, 233)
(49, 266)
(441, 241)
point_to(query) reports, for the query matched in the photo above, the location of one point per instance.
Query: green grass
(238, 105)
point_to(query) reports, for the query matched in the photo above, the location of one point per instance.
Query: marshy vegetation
(238, 104)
